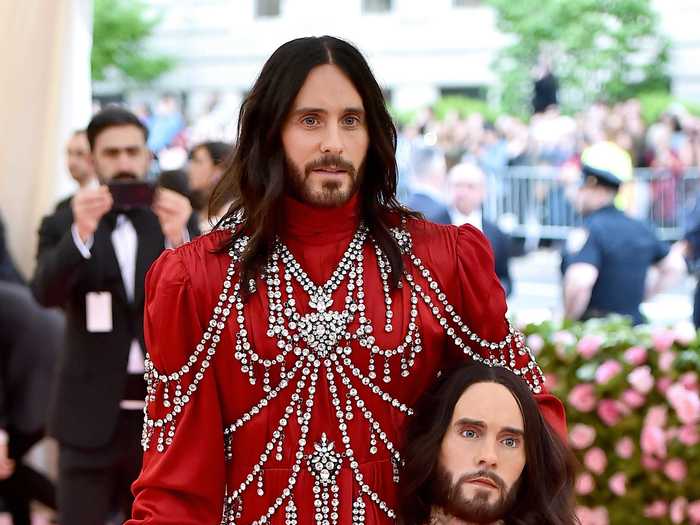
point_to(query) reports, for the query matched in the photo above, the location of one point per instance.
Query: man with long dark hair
(478, 451)
(287, 347)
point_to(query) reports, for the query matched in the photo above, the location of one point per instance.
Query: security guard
(605, 263)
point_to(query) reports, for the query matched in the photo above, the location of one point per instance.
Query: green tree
(598, 49)
(120, 31)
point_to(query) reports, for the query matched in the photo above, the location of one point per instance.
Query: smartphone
(128, 195)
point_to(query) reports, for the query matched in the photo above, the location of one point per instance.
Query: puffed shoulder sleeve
(482, 306)
(182, 479)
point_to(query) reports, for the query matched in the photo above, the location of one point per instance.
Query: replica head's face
(325, 138)
(120, 152)
(78, 158)
(482, 455)
(467, 186)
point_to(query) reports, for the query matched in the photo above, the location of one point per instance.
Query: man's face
(120, 152)
(325, 139)
(78, 158)
(482, 455)
(467, 188)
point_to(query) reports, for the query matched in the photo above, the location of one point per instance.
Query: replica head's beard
(329, 193)
(476, 509)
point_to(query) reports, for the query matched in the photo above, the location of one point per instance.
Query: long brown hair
(255, 176)
(546, 490)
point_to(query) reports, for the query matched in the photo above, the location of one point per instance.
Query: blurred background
(515, 89)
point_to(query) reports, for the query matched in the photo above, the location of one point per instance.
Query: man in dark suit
(30, 339)
(78, 163)
(427, 190)
(467, 188)
(8, 270)
(92, 260)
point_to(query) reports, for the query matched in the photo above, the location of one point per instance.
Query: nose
(124, 162)
(332, 141)
(486, 457)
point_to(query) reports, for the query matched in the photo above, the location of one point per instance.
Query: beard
(331, 193)
(476, 509)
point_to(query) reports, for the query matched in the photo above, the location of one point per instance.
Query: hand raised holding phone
(89, 206)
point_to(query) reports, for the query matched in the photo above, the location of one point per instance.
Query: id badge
(98, 312)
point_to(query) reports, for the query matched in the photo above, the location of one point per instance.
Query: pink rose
(607, 371)
(581, 436)
(596, 516)
(589, 345)
(689, 435)
(584, 484)
(650, 463)
(641, 379)
(561, 340)
(609, 412)
(618, 484)
(595, 460)
(656, 510)
(635, 355)
(663, 384)
(666, 361)
(582, 397)
(663, 340)
(694, 512)
(536, 343)
(685, 402)
(676, 470)
(653, 442)
(656, 416)
(625, 448)
(677, 510)
(685, 332)
(632, 398)
(689, 380)
(551, 381)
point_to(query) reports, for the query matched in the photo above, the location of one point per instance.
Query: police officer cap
(607, 164)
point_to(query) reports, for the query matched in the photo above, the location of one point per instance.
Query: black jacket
(92, 370)
(501, 246)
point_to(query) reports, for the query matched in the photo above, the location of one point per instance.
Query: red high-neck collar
(302, 222)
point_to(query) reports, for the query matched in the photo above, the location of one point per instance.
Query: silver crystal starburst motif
(324, 463)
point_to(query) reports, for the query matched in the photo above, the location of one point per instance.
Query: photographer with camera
(92, 261)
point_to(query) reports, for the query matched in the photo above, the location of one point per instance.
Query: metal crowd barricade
(535, 202)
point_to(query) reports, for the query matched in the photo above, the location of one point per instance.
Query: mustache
(498, 481)
(330, 161)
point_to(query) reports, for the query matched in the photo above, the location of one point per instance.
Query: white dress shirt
(474, 218)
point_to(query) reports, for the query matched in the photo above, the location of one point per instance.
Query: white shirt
(474, 218)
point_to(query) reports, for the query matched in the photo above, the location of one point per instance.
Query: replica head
(604, 168)
(118, 145)
(467, 186)
(207, 162)
(314, 127)
(479, 451)
(78, 158)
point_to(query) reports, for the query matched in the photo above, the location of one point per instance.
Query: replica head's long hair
(255, 177)
(546, 487)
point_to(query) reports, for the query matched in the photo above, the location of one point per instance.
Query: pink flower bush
(581, 436)
(663, 384)
(694, 512)
(589, 345)
(666, 361)
(609, 412)
(636, 355)
(594, 516)
(684, 333)
(676, 470)
(689, 435)
(536, 343)
(607, 371)
(625, 447)
(641, 379)
(582, 397)
(656, 416)
(595, 460)
(690, 381)
(677, 510)
(633, 399)
(618, 484)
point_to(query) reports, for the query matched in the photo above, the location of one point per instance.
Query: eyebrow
(467, 421)
(303, 110)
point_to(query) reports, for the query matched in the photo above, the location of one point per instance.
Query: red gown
(188, 472)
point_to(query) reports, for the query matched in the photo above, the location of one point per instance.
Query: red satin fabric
(185, 484)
